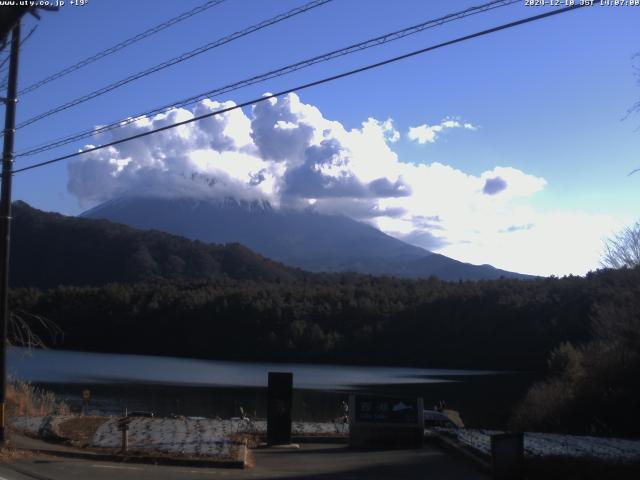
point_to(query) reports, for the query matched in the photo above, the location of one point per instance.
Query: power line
(3, 67)
(28, 35)
(389, 37)
(180, 58)
(3, 64)
(310, 84)
(125, 43)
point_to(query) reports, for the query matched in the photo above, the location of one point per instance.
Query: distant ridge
(304, 239)
(50, 249)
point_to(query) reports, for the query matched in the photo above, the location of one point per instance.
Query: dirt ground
(10, 455)
(79, 431)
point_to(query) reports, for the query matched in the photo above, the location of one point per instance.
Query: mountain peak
(299, 238)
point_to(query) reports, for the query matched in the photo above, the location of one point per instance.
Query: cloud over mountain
(286, 152)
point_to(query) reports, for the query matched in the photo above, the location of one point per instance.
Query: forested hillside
(333, 318)
(50, 249)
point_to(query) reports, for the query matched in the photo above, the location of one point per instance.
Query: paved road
(311, 461)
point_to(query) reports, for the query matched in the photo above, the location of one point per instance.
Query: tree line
(335, 318)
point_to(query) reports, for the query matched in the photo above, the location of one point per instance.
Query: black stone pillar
(279, 402)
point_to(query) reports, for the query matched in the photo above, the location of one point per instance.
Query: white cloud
(391, 134)
(554, 243)
(429, 133)
(286, 152)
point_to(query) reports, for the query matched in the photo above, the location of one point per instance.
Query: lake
(169, 385)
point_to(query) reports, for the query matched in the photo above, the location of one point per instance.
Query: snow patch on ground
(201, 437)
(184, 436)
(188, 436)
(552, 444)
(310, 428)
(44, 427)
(31, 425)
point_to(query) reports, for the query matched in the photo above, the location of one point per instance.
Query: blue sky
(544, 102)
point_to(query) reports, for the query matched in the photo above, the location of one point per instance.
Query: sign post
(279, 403)
(86, 398)
(123, 425)
(379, 421)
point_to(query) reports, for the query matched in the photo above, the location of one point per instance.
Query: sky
(512, 149)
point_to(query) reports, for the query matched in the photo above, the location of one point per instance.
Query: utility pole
(5, 217)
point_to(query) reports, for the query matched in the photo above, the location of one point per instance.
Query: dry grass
(250, 461)
(25, 399)
(22, 399)
(454, 416)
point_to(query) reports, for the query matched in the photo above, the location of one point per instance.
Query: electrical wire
(125, 43)
(389, 37)
(4, 67)
(312, 84)
(175, 60)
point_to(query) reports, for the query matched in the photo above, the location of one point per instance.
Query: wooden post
(125, 439)
(123, 425)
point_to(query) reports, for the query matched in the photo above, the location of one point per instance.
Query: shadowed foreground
(317, 461)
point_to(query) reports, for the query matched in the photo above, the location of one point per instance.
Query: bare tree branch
(20, 332)
(623, 250)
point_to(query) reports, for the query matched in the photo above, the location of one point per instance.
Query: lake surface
(58, 366)
(169, 385)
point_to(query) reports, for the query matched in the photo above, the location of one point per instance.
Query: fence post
(123, 425)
